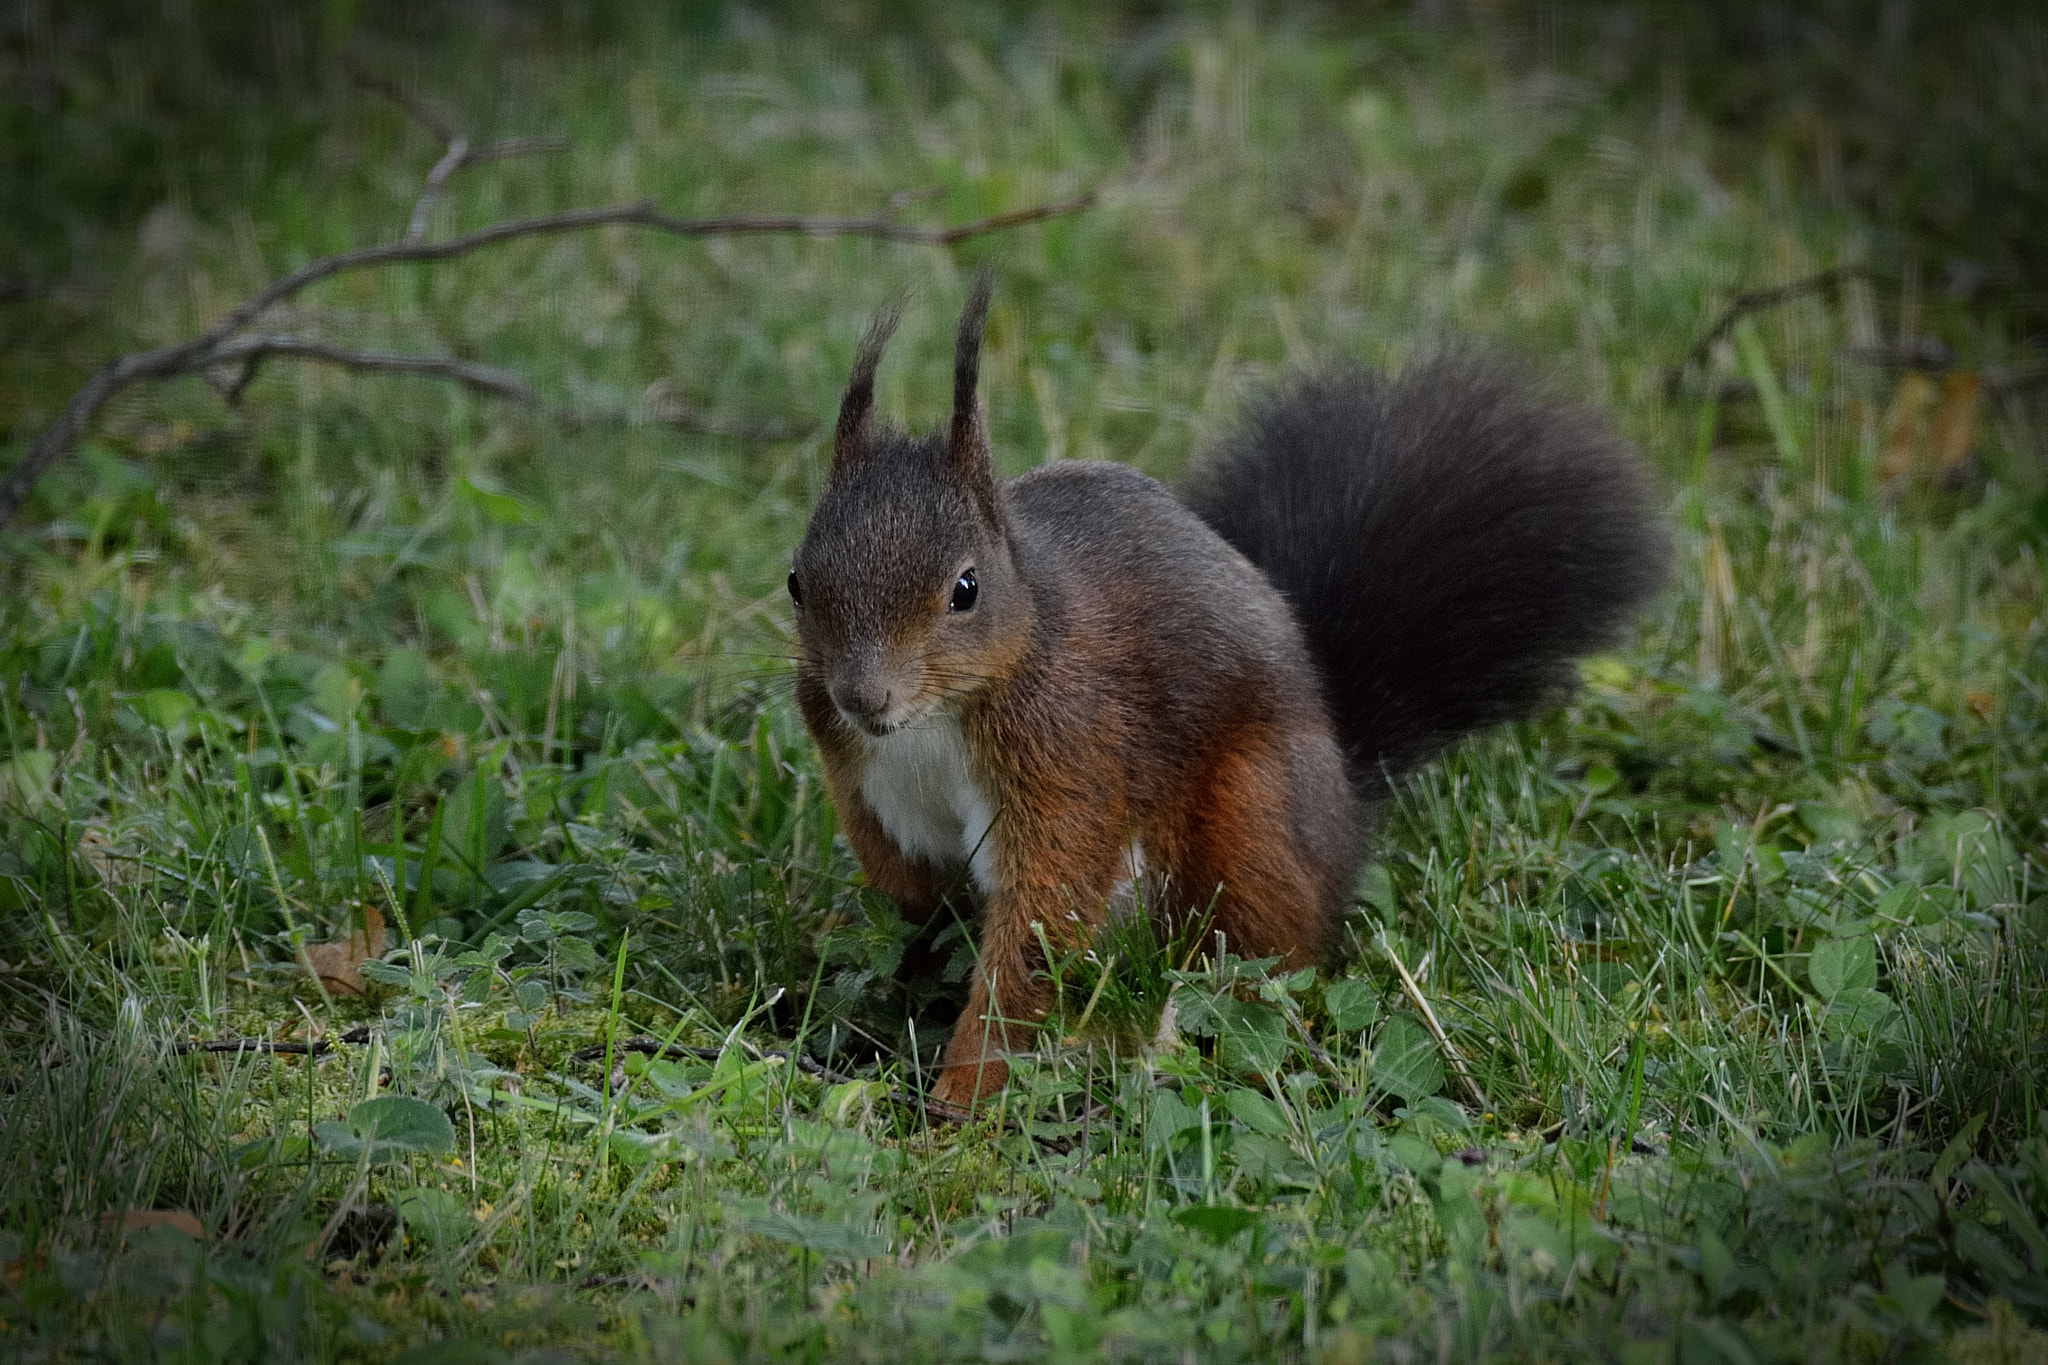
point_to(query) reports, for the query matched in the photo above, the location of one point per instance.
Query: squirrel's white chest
(921, 785)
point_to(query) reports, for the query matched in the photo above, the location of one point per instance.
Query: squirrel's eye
(796, 594)
(965, 591)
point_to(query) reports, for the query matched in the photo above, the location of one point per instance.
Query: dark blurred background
(1930, 114)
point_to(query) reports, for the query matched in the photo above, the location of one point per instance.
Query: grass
(1739, 959)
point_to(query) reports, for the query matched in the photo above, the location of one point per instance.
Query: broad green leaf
(1257, 1113)
(470, 831)
(1970, 848)
(636, 1148)
(1916, 1296)
(1269, 1159)
(1376, 888)
(1709, 1341)
(1981, 1248)
(834, 1241)
(405, 687)
(1415, 1154)
(1447, 1114)
(1860, 1010)
(1352, 1003)
(1717, 1265)
(848, 1103)
(435, 1216)
(337, 692)
(1828, 824)
(1170, 1117)
(164, 707)
(25, 778)
(385, 973)
(1840, 964)
(1217, 1222)
(1250, 1036)
(1959, 1149)
(495, 503)
(1405, 1062)
(387, 1128)
(1910, 904)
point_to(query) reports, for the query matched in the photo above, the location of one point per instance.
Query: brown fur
(1119, 675)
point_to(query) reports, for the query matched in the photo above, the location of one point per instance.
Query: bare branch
(205, 351)
(460, 152)
(515, 146)
(643, 214)
(1932, 355)
(251, 351)
(245, 355)
(1757, 301)
(437, 180)
(903, 199)
(460, 155)
(317, 1047)
(425, 114)
(662, 403)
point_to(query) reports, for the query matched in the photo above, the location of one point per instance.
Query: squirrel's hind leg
(1270, 839)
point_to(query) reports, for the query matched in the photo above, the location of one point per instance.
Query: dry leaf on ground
(337, 963)
(142, 1220)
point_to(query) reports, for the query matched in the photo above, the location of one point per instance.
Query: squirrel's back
(1186, 639)
(1449, 543)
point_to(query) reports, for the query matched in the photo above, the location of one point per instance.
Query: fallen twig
(239, 360)
(250, 351)
(221, 344)
(1931, 355)
(1436, 1029)
(315, 1048)
(1756, 301)
(459, 153)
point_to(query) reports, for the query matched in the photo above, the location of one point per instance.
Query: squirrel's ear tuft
(857, 409)
(968, 441)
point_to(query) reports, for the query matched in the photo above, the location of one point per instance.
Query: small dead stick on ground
(1413, 988)
(223, 348)
(1757, 301)
(315, 1048)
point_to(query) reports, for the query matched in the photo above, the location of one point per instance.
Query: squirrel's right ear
(967, 440)
(855, 433)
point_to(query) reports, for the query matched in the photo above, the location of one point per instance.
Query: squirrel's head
(906, 595)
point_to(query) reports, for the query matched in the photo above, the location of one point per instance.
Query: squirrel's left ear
(967, 442)
(856, 429)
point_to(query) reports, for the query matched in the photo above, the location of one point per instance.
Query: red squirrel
(1047, 688)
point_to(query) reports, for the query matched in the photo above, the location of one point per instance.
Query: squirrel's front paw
(963, 1083)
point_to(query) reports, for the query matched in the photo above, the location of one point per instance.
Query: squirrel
(1061, 686)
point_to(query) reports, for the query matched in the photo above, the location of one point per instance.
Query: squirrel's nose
(861, 697)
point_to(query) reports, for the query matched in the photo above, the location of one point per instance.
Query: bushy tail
(1448, 541)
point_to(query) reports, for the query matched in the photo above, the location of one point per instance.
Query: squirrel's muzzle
(867, 692)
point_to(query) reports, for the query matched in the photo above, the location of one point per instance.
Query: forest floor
(1704, 1019)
